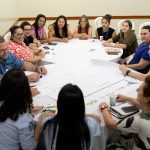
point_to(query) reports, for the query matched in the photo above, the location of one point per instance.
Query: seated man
(8, 61)
(141, 59)
(133, 74)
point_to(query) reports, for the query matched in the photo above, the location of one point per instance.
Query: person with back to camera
(70, 129)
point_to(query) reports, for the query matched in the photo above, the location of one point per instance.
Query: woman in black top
(105, 30)
(28, 40)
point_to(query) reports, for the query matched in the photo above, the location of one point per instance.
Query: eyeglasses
(27, 30)
(19, 35)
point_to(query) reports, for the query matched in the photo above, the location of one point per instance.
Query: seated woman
(126, 40)
(59, 30)
(83, 30)
(69, 129)
(139, 124)
(28, 39)
(38, 31)
(20, 50)
(106, 31)
(16, 121)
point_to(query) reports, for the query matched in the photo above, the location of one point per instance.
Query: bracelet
(103, 107)
(127, 72)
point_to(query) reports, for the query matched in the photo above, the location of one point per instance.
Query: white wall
(8, 15)
(30, 8)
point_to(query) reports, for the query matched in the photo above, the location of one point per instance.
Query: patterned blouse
(21, 51)
(139, 125)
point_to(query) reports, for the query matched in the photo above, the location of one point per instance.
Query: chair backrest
(7, 36)
(119, 24)
(97, 22)
(141, 26)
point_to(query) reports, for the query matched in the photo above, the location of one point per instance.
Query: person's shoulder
(111, 29)
(100, 28)
(132, 33)
(51, 27)
(25, 120)
(93, 125)
(10, 55)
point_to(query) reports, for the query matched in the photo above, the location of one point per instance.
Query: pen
(32, 85)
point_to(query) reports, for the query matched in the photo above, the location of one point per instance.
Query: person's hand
(103, 104)
(42, 54)
(33, 77)
(36, 109)
(41, 70)
(34, 91)
(32, 46)
(45, 115)
(121, 98)
(65, 40)
(84, 36)
(123, 69)
(37, 42)
(51, 39)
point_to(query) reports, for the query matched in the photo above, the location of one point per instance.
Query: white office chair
(97, 22)
(7, 36)
(119, 24)
(141, 26)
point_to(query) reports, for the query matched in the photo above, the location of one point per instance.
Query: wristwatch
(103, 107)
(127, 72)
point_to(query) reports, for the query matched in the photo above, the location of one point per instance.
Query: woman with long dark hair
(16, 122)
(83, 30)
(69, 129)
(105, 30)
(59, 30)
(125, 39)
(38, 31)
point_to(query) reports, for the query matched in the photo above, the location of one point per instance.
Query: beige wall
(12, 9)
(27, 8)
(8, 14)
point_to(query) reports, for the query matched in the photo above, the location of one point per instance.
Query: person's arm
(108, 43)
(123, 98)
(95, 116)
(114, 35)
(141, 65)
(31, 67)
(136, 75)
(69, 35)
(45, 39)
(76, 34)
(107, 116)
(38, 127)
(112, 42)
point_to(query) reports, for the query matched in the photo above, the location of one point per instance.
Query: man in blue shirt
(141, 59)
(8, 61)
